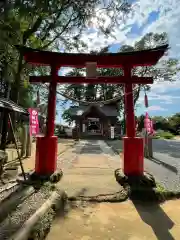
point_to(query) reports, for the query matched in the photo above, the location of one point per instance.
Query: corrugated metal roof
(11, 106)
(110, 111)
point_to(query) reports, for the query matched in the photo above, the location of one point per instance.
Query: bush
(166, 135)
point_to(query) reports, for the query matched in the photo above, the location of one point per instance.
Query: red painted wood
(98, 80)
(46, 155)
(133, 156)
(52, 103)
(137, 58)
(129, 105)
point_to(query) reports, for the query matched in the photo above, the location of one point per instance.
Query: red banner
(148, 124)
(34, 123)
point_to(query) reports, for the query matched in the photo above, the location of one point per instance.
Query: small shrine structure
(94, 120)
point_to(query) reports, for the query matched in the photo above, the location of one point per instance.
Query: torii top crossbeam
(136, 58)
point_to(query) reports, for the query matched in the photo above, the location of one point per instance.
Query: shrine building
(95, 120)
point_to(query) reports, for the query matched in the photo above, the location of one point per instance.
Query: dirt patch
(114, 221)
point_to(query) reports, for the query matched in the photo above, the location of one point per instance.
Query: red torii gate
(46, 147)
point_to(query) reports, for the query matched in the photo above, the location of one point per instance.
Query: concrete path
(90, 172)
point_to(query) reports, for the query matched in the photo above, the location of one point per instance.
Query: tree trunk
(14, 93)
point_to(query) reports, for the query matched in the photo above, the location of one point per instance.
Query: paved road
(170, 148)
(166, 163)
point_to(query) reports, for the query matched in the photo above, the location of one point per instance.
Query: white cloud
(156, 108)
(168, 21)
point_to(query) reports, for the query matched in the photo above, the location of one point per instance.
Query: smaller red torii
(46, 148)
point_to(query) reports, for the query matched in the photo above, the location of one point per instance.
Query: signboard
(34, 123)
(112, 132)
(91, 70)
(93, 119)
(83, 127)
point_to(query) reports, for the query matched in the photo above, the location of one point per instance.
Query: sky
(155, 16)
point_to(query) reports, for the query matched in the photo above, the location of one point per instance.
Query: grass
(164, 135)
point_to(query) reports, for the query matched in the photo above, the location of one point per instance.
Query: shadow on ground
(156, 218)
(92, 147)
(151, 214)
(88, 148)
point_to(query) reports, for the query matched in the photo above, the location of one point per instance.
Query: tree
(44, 25)
(174, 123)
(49, 24)
(66, 116)
(167, 124)
(165, 71)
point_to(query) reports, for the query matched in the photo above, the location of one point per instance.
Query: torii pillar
(133, 148)
(46, 146)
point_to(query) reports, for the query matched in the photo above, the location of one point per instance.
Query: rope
(104, 102)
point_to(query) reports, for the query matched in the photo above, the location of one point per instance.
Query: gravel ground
(16, 218)
(168, 176)
(26, 206)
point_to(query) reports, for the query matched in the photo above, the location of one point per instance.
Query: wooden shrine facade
(94, 120)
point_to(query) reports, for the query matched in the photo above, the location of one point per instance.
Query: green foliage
(165, 127)
(174, 123)
(66, 116)
(44, 25)
(164, 134)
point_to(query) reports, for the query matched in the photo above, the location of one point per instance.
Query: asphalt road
(170, 147)
(165, 164)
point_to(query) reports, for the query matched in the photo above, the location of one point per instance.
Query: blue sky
(147, 16)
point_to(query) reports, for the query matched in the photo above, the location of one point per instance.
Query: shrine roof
(136, 58)
(109, 111)
(12, 106)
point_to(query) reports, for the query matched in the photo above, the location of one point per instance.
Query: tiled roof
(109, 111)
